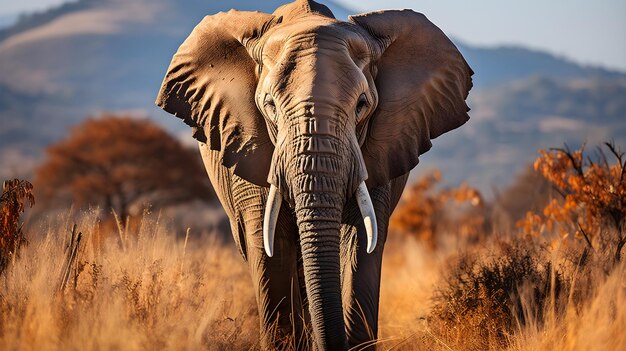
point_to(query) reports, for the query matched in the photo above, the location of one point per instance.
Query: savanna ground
(553, 279)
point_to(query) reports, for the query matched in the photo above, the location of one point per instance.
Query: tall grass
(141, 290)
(596, 324)
(146, 287)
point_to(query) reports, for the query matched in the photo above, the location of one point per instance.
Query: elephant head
(318, 110)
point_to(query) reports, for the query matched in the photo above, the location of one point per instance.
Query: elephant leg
(361, 281)
(361, 272)
(275, 279)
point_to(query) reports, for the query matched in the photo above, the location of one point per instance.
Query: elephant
(308, 127)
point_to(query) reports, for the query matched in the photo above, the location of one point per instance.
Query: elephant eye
(361, 104)
(269, 105)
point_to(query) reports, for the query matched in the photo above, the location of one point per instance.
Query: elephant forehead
(312, 34)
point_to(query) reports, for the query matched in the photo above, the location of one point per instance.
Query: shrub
(484, 299)
(491, 295)
(592, 203)
(426, 212)
(15, 194)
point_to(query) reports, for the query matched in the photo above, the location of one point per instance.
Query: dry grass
(596, 324)
(511, 301)
(141, 290)
(149, 289)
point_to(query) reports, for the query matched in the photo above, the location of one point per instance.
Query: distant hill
(500, 65)
(85, 57)
(29, 21)
(511, 121)
(82, 58)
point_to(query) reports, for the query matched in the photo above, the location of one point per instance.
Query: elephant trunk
(316, 170)
(319, 200)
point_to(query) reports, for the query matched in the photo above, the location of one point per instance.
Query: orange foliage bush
(425, 212)
(15, 194)
(121, 163)
(593, 203)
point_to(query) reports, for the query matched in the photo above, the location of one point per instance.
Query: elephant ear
(210, 85)
(422, 83)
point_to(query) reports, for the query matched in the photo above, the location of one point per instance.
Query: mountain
(89, 56)
(511, 121)
(502, 64)
(29, 21)
(85, 57)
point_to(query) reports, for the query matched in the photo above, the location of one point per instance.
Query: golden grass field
(151, 288)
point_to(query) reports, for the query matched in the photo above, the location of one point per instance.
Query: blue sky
(588, 32)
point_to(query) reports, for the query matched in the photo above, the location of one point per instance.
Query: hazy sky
(589, 32)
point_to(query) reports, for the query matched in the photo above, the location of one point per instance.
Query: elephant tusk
(369, 216)
(272, 208)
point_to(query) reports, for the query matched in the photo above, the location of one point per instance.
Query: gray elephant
(308, 127)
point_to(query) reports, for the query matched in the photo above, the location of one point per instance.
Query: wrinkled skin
(314, 107)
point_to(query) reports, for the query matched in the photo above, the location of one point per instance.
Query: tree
(593, 198)
(121, 163)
